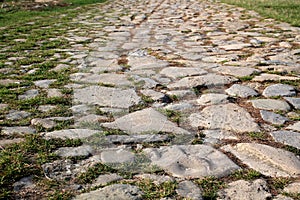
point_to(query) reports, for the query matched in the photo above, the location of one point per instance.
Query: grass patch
(25, 158)
(210, 187)
(282, 10)
(157, 191)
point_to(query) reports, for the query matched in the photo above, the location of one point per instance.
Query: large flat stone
(113, 192)
(18, 130)
(177, 72)
(267, 160)
(270, 104)
(189, 190)
(242, 189)
(71, 133)
(228, 117)
(287, 137)
(241, 91)
(145, 62)
(273, 117)
(212, 99)
(208, 80)
(279, 90)
(236, 71)
(118, 155)
(274, 77)
(191, 161)
(145, 121)
(106, 96)
(83, 150)
(294, 101)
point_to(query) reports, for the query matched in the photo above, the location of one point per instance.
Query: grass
(157, 191)
(210, 187)
(282, 10)
(25, 158)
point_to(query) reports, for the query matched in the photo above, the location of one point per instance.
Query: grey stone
(84, 151)
(274, 77)
(156, 179)
(287, 137)
(6, 142)
(279, 90)
(53, 92)
(105, 96)
(293, 188)
(212, 99)
(16, 115)
(228, 117)
(60, 67)
(119, 155)
(71, 133)
(242, 189)
(191, 161)
(179, 106)
(236, 71)
(46, 108)
(80, 109)
(156, 96)
(241, 91)
(216, 136)
(295, 127)
(281, 197)
(107, 178)
(189, 190)
(29, 94)
(45, 123)
(145, 121)
(270, 104)
(178, 72)
(18, 130)
(180, 94)
(232, 47)
(128, 139)
(208, 80)
(294, 101)
(146, 62)
(26, 182)
(44, 83)
(265, 159)
(113, 192)
(273, 117)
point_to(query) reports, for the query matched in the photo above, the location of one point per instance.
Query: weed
(147, 99)
(246, 78)
(246, 174)
(210, 187)
(257, 135)
(157, 191)
(173, 115)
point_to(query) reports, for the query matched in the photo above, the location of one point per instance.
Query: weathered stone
(279, 90)
(274, 77)
(191, 161)
(242, 189)
(242, 91)
(16, 115)
(273, 117)
(7, 142)
(281, 197)
(208, 80)
(270, 104)
(236, 71)
(287, 137)
(26, 182)
(180, 94)
(106, 178)
(84, 151)
(71, 133)
(228, 117)
(293, 188)
(53, 92)
(45, 123)
(128, 139)
(156, 179)
(145, 121)
(18, 130)
(267, 160)
(105, 96)
(145, 62)
(113, 192)
(44, 83)
(189, 190)
(295, 102)
(215, 136)
(177, 72)
(80, 109)
(156, 96)
(46, 108)
(232, 47)
(295, 127)
(179, 106)
(29, 94)
(119, 155)
(212, 99)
